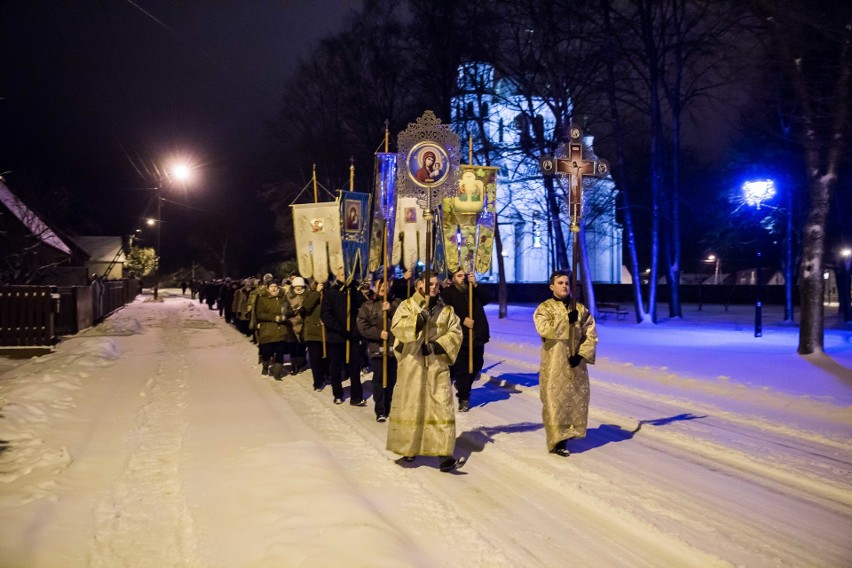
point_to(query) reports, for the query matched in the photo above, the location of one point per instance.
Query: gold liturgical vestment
(564, 390)
(422, 419)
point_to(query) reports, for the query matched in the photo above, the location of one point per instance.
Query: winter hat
(298, 281)
(273, 281)
(267, 277)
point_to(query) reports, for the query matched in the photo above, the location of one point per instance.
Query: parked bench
(605, 309)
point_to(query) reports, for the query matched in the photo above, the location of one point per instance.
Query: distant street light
(717, 261)
(178, 173)
(755, 193)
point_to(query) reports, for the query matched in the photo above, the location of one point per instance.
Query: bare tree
(813, 45)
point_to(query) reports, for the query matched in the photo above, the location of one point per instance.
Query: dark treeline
(685, 98)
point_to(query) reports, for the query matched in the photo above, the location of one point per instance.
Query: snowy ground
(152, 440)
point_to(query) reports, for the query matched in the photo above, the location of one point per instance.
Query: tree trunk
(502, 291)
(811, 286)
(618, 171)
(562, 261)
(585, 273)
(823, 150)
(788, 261)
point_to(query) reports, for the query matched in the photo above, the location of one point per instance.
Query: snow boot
(277, 371)
(448, 463)
(265, 369)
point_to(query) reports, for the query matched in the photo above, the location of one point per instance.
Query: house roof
(101, 249)
(31, 220)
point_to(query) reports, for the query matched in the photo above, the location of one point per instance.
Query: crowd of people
(417, 338)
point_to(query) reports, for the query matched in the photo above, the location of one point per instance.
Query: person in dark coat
(183, 287)
(456, 295)
(295, 315)
(402, 288)
(379, 339)
(313, 329)
(239, 306)
(227, 301)
(273, 332)
(340, 306)
(211, 293)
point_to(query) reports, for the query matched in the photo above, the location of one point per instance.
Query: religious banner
(428, 172)
(409, 246)
(384, 210)
(355, 233)
(316, 228)
(466, 212)
(486, 220)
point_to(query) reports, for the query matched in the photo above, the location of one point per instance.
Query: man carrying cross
(567, 327)
(569, 337)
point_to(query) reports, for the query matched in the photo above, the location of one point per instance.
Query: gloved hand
(574, 360)
(572, 316)
(431, 348)
(422, 318)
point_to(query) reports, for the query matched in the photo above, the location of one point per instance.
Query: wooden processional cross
(576, 167)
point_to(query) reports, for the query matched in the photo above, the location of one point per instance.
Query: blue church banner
(384, 210)
(355, 233)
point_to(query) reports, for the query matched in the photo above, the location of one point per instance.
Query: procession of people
(418, 347)
(343, 315)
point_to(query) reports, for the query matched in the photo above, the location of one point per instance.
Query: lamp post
(756, 192)
(717, 261)
(178, 173)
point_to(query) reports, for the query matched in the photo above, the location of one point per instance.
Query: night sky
(93, 89)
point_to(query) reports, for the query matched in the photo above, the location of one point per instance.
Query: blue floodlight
(758, 191)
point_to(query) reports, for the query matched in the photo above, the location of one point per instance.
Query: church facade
(489, 107)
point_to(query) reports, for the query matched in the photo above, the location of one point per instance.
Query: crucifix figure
(576, 167)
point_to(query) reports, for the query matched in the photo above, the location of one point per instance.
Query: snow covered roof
(101, 249)
(31, 220)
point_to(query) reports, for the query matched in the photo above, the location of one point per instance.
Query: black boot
(277, 371)
(561, 449)
(448, 463)
(265, 368)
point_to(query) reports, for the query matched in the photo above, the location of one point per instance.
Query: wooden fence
(35, 315)
(27, 315)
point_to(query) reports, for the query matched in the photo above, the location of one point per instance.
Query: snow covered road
(153, 440)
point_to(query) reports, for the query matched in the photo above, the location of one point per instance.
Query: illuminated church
(508, 120)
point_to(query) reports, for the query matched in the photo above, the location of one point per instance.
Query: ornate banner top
(429, 160)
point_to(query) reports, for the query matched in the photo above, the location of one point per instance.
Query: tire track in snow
(144, 521)
(795, 472)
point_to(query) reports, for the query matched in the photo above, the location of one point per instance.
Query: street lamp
(715, 259)
(177, 173)
(755, 193)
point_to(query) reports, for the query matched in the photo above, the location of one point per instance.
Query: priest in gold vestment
(563, 376)
(422, 419)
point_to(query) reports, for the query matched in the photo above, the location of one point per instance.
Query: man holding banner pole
(467, 300)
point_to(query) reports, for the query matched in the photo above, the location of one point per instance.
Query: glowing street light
(715, 259)
(181, 172)
(755, 193)
(178, 173)
(150, 222)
